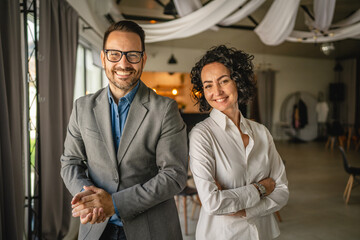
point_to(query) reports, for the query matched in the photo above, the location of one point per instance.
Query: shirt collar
(223, 121)
(129, 97)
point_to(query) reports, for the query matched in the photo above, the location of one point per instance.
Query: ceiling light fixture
(172, 59)
(327, 48)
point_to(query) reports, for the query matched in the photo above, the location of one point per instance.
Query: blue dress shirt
(119, 113)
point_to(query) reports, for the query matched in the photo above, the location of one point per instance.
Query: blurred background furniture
(354, 173)
(335, 133)
(189, 193)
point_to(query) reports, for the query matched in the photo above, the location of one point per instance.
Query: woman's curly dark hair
(241, 71)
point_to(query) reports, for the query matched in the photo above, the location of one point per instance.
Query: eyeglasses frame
(122, 54)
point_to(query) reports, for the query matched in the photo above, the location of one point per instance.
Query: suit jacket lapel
(136, 115)
(102, 116)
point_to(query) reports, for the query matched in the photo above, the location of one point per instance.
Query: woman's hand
(269, 185)
(241, 213)
(218, 185)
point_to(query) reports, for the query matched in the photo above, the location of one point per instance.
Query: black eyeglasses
(116, 55)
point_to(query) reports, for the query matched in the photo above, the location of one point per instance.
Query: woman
(238, 173)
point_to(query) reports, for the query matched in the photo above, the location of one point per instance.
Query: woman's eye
(224, 81)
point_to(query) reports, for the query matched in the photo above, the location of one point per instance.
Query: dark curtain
(254, 107)
(357, 105)
(347, 104)
(266, 88)
(11, 77)
(57, 65)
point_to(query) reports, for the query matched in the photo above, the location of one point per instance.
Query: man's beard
(124, 85)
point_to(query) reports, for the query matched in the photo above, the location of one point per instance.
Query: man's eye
(207, 86)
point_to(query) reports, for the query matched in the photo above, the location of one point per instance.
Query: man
(125, 153)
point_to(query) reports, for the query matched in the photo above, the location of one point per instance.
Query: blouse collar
(224, 121)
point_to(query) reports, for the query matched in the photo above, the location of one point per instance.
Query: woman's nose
(217, 89)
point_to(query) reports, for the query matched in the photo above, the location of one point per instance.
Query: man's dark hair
(126, 26)
(241, 71)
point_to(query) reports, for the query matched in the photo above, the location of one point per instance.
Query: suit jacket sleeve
(171, 160)
(73, 167)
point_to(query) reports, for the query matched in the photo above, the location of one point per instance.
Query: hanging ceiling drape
(276, 27)
(196, 19)
(185, 7)
(338, 34)
(353, 18)
(323, 13)
(278, 23)
(11, 77)
(242, 13)
(191, 24)
(57, 64)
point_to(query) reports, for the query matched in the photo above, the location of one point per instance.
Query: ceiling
(247, 40)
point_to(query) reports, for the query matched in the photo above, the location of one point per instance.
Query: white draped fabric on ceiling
(278, 22)
(276, 27)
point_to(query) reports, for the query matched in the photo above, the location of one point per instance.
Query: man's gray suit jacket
(149, 168)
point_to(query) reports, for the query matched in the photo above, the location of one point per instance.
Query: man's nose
(124, 62)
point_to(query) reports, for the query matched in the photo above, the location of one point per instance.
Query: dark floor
(316, 209)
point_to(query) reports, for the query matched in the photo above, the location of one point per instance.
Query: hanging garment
(300, 116)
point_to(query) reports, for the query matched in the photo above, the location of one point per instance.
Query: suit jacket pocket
(93, 134)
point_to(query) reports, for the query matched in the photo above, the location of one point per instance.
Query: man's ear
(144, 59)
(102, 56)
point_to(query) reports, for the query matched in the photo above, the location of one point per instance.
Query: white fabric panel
(339, 34)
(242, 13)
(202, 13)
(185, 7)
(279, 22)
(323, 14)
(276, 27)
(355, 17)
(191, 24)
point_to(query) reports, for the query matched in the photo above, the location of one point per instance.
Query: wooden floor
(316, 208)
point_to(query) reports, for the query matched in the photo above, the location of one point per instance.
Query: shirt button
(116, 180)
(117, 116)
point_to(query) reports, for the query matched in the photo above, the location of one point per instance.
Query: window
(89, 77)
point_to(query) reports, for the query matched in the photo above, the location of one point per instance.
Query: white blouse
(217, 152)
